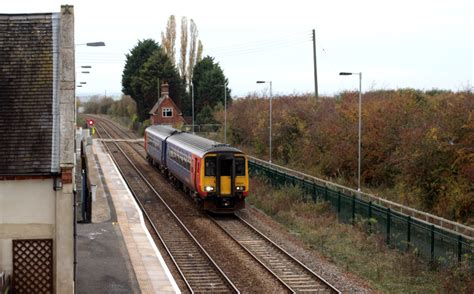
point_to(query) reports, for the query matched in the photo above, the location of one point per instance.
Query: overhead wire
(258, 46)
(246, 48)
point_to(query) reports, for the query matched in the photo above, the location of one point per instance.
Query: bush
(416, 145)
(143, 126)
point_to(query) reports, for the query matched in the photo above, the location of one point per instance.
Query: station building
(37, 160)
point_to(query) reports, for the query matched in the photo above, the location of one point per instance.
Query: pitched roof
(157, 105)
(28, 83)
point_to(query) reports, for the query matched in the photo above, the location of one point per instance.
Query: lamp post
(270, 127)
(360, 121)
(192, 102)
(225, 111)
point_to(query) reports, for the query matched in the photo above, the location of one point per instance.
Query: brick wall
(158, 118)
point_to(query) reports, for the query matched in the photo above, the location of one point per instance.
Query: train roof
(192, 143)
(161, 131)
(200, 146)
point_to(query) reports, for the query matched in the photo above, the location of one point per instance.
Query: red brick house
(165, 111)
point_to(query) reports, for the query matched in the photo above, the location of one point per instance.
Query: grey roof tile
(26, 94)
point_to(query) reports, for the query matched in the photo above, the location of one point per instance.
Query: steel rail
(219, 272)
(287, 282)
(107, 122)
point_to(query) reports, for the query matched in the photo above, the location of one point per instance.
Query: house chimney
(165, 89)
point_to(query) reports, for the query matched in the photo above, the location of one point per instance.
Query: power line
(258, 49)
(246, 48)
(280, 38)
(258, 46)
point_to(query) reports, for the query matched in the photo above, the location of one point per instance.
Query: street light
(225, 111)
(92, 44)
(192, 102)
(270, 138)
(360, 120)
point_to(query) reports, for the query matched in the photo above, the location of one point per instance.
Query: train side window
(240, 166)
(210, 167)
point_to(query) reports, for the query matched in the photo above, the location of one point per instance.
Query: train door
(225, 176)
(196, 172)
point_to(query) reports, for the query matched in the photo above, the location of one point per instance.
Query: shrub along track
(248, 274)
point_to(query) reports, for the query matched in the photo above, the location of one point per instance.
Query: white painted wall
(27, 211)
(27, 201)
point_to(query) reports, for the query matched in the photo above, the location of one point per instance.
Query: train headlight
(209, 188)
(240, 188)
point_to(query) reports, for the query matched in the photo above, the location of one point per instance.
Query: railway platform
(115, 253)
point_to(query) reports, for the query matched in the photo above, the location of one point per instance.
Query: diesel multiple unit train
(216, 175)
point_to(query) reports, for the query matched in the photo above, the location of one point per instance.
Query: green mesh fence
(401, 231)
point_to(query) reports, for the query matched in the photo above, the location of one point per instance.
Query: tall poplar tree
(184, 47)
(168, 39)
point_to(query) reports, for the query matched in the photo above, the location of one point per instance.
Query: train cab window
(226, 167)
(210, 167)
(240, 166)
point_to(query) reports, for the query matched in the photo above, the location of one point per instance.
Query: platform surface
(115, 252)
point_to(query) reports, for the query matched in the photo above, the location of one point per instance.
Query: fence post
(388, 225)
(408, 232)
(432, 242)
(338, 202)
(353, 209)
(459, 248)
(325, 193)
(315, 195)
(370, 216)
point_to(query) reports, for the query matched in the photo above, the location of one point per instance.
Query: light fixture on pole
(270, 127)
(92, 44)
(360, 121)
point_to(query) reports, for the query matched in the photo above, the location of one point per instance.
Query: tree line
(150, 63)
(417, 146)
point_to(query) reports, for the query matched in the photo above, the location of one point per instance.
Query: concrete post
(64, 241)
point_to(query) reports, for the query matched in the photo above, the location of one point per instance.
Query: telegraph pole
(315, 67)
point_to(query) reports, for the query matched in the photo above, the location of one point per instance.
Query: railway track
(287, 269)
(199, 272)
(290, 272)
(118, 131)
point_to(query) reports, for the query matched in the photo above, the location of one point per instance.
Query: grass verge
(353, 249)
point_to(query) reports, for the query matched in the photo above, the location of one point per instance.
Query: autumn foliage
(417, 147)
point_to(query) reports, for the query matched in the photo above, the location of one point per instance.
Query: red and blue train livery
(216, 175)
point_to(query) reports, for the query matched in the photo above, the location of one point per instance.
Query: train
(214, 174)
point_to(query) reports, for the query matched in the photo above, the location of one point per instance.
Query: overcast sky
(395, 44)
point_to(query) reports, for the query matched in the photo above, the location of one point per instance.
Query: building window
(167, 112)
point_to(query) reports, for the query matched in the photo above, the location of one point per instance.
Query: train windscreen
(210, 167)
(240, 166)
